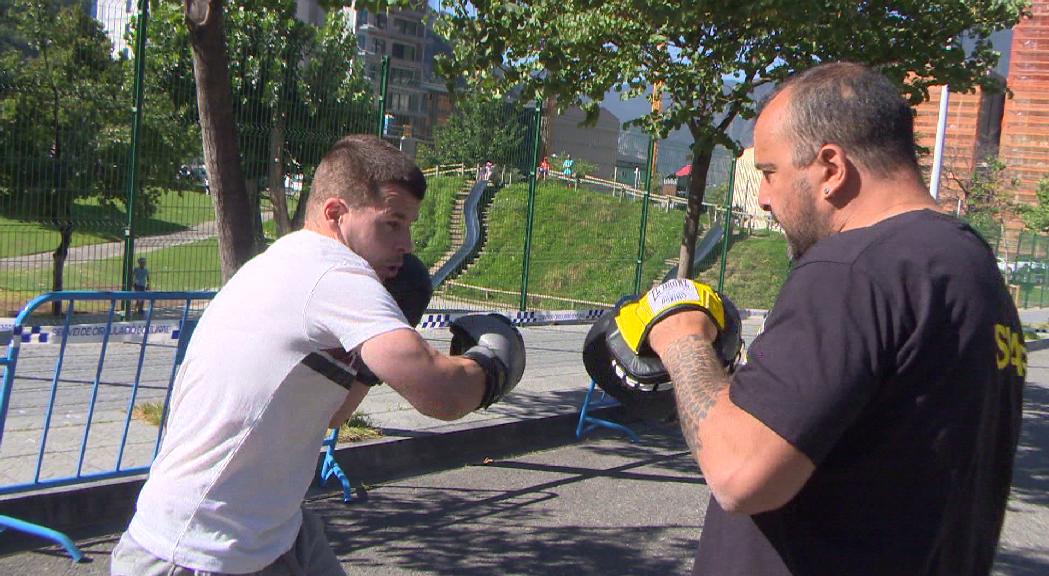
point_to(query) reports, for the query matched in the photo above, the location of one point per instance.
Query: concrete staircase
(457, 226)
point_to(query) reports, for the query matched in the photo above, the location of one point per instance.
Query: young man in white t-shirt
(252, 400)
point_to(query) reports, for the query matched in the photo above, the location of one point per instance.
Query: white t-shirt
(247, 417)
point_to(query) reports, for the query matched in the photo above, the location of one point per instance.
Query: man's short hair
(357, 166)
(854, 107)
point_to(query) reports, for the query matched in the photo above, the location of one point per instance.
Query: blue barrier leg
(43, 532)
(331, 467)
(587, 423)
(580, 428)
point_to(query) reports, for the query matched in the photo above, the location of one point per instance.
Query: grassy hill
(584, 250)
(756, 268)
(584, 246)
(432, 231)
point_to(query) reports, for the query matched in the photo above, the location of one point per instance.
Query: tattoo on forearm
(698, 377)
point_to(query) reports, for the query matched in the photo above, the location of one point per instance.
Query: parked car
(194, 175)
(1027, 271)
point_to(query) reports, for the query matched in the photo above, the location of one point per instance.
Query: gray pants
(309, 556)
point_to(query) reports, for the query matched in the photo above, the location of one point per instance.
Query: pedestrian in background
(140, 282)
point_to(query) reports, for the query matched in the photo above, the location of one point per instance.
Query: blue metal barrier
(330, 467)
(96, 327)
(588, 423)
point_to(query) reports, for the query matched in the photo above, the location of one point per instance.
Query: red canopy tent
(685, 170)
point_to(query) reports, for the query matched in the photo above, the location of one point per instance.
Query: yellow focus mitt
(636, 319)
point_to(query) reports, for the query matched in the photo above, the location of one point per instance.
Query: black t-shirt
(894, 359)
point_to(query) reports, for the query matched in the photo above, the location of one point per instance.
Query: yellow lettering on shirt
(1011, 349)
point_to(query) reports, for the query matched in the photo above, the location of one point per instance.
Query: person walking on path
(567, 166)
(140, 282)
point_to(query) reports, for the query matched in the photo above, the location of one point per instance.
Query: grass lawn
(95, 223)
(193, 266)
(756, 268)
(432, 231)
(584, 246)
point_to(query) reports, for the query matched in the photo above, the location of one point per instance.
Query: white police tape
(527, 318)
(168, 329)
(163, 330)
(543, 317)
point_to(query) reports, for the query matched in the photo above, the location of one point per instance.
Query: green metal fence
(101, 163)
(1025, 265)
(100, 149)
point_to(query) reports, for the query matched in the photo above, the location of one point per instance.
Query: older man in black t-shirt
(873, 429)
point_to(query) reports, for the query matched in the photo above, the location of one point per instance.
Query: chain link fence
(103, 171)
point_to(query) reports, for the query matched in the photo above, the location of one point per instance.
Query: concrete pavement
(598, 506)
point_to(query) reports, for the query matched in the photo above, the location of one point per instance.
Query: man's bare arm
(440, 386)
(353, 399)
(699, 378)
(748, 467)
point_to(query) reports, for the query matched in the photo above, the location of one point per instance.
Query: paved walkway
(600, 506)
(90, 252)
(554, 383)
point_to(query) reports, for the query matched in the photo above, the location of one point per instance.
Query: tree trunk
(546, 134)
(233, 210)
(254, 197)
(276, 175)
(60, 210)
(299, 219)
(59, 256)
(697, 184)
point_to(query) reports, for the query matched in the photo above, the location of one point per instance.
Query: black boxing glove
(496, 345)
(412, 289)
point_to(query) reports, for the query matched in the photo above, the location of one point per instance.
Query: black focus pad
(597, 359)
(411, 288)
(641, 382)
(729, 343)
(644, 369)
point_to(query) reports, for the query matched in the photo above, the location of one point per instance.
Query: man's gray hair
(854, 107)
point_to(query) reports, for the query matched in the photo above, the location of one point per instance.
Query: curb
(381, 460)
(1036, 345)
(93, 510)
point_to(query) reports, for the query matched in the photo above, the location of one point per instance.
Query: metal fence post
(728, 222)
(136, 125)
(537, 124)
(644, 218)
(384, 81)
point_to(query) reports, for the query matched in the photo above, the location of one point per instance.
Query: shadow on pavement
(526, 526)
(1031, 470)
(1019, 562)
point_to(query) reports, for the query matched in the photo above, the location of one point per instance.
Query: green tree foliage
(61, 106)
(480, 129)
(577, 51)
(986, 197)
(296, 88)
(1036, 217)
